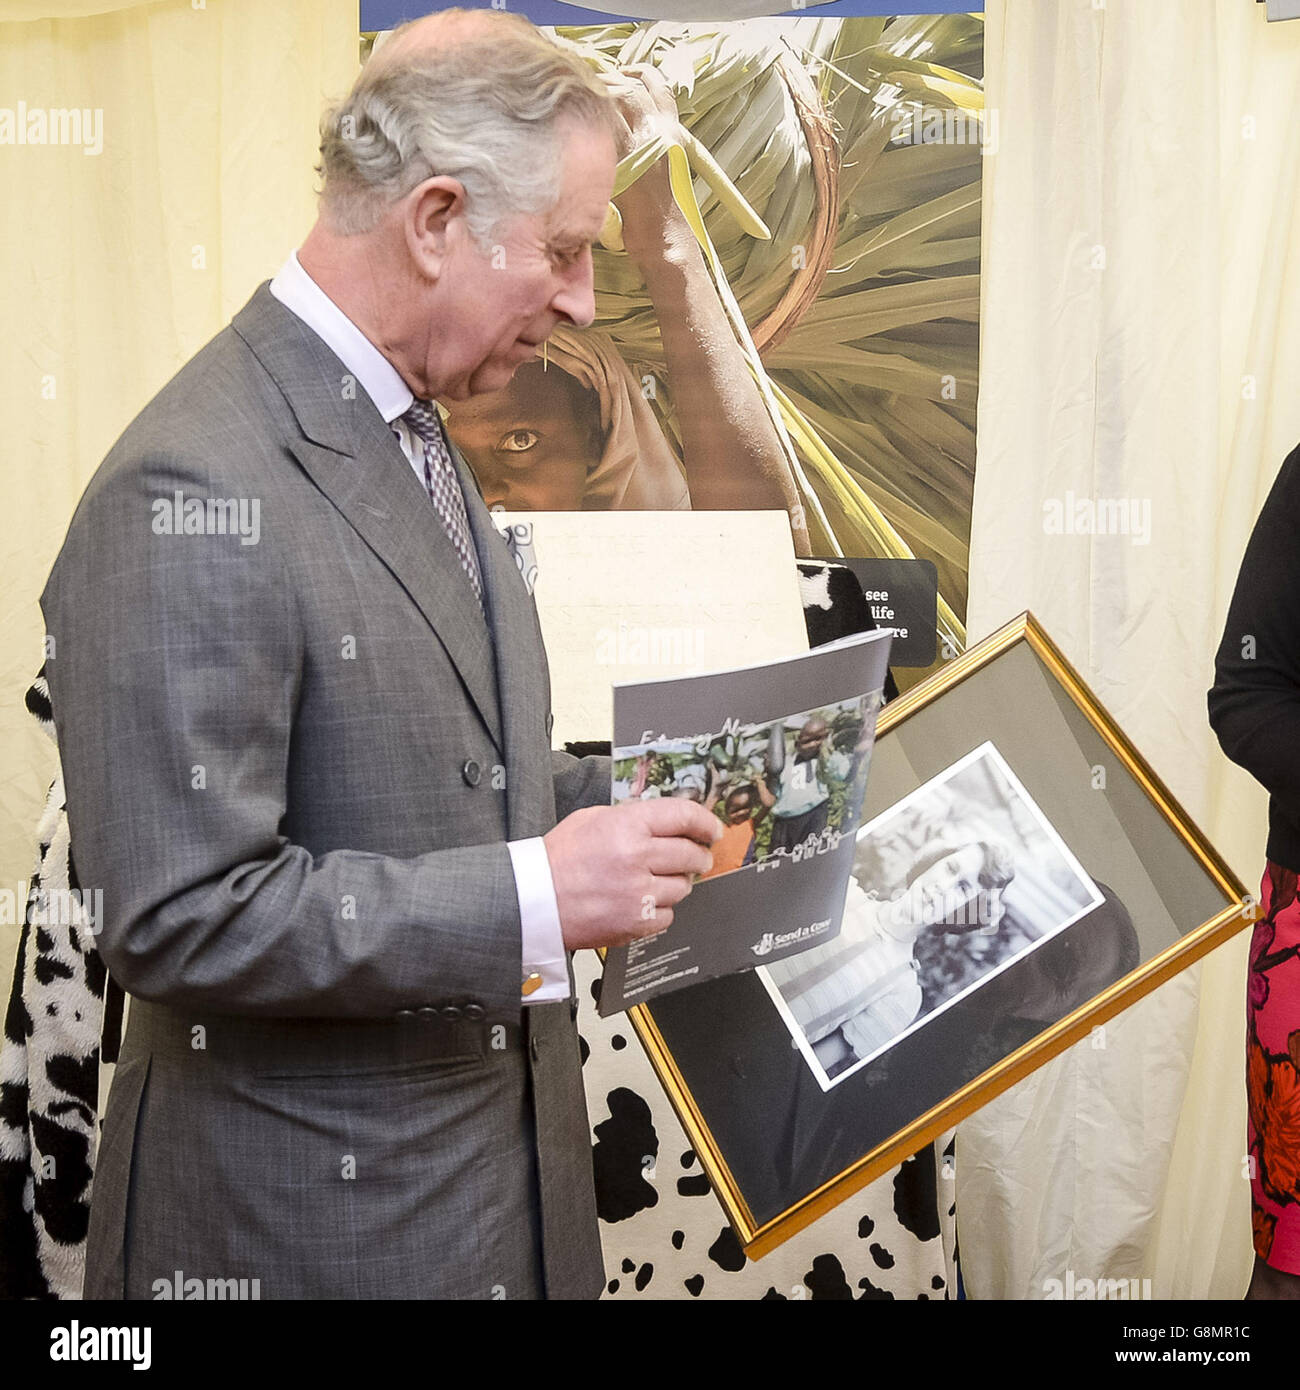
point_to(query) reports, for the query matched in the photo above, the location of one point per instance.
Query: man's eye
(518, 441)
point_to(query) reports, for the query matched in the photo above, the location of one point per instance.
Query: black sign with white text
(904, 595)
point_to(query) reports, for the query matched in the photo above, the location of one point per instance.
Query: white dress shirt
(542, 942)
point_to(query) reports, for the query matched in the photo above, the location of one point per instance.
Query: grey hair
(481, 109)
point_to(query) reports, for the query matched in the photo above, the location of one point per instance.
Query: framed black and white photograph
(1020, 876)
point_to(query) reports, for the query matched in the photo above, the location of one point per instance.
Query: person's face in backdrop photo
(497, 305)
(532, 444)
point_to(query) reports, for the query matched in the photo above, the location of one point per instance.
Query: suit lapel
(520, 657)
(353, 457)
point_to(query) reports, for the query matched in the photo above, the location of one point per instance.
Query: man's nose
(576, 299)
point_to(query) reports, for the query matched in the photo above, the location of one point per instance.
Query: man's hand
(619, 870)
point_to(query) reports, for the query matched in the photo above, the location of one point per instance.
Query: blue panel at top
(387, 14)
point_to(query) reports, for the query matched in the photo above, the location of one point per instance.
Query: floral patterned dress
(1273, 1071)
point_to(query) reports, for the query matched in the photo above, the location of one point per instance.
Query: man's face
(499, 305)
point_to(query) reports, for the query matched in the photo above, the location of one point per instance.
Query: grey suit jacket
(293, 756)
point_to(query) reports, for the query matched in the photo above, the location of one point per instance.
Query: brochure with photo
(779, 753)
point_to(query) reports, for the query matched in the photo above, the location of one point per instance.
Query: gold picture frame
(720, 1049)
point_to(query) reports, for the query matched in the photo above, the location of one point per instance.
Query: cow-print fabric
(49, 1069)
(663, 1231)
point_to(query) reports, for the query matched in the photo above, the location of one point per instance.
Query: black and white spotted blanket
(49, 1068)
(663, 1231)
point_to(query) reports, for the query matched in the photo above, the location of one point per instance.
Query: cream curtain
(1141, 340)
(115, 267)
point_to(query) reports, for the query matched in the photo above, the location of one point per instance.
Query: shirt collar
(298, 292)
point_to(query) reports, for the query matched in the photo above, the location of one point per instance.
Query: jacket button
(427, 1011)
(471, 772)
(406, 1013)
(450, 1012)
(550, 724)
(534, 1048)
(475, 1012)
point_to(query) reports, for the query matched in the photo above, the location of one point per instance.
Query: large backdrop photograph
(828, 253)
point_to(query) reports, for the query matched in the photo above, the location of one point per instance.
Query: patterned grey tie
(444, 488)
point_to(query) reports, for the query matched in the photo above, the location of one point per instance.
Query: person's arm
(715, 789)
(731, 451)
(776, 752)
(1254, 705)
(891, 1010)
(580, 782)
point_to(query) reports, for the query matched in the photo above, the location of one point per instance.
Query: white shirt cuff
(539, 922)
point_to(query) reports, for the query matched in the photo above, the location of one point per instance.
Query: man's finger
(676, 855)
(674, 815)
(670, 889)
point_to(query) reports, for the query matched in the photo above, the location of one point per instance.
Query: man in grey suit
(302, 704)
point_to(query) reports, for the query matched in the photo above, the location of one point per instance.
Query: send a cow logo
(774, 941)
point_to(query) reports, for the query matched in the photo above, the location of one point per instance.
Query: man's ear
(432, 214)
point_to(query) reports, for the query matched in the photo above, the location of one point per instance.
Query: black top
(1255, 701)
